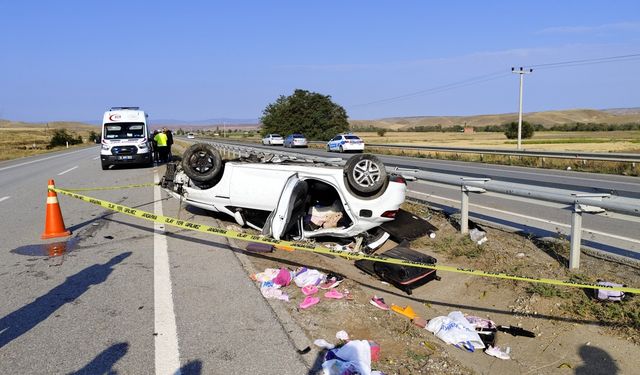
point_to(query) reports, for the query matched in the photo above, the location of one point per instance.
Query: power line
(604, 59)
(449, 86)
(500, 74)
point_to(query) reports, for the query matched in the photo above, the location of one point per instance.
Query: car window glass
(351, 137)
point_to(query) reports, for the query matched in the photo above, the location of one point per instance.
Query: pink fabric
(283, 278)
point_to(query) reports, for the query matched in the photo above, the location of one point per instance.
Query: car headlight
(105, 147)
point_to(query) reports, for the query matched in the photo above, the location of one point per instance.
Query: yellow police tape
(297, 245)
(114, 187)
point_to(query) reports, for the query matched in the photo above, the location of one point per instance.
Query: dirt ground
(574, 332)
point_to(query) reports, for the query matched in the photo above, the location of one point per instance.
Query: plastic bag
(454, 329)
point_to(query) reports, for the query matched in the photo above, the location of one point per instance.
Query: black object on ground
(407, 226)
(405, 278)
(255, 247)
(516, 331)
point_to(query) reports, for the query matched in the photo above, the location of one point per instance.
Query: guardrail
(579, 203)
(599, 156)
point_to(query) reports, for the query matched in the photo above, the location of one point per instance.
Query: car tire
(201, 162)
(105, 166)
(328, 148)
(341, 150)
(365, 174)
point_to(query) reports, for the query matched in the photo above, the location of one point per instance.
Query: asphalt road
(609, 232)
(127, 297)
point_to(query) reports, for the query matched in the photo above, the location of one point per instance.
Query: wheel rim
(201, 162)
(366, 173)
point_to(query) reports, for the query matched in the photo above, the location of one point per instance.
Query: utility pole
(521, 72)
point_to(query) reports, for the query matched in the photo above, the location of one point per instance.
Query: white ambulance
(125, 137)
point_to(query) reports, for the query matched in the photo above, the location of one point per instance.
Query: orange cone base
(55, 235)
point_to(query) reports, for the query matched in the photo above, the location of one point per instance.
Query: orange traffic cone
(53, 222)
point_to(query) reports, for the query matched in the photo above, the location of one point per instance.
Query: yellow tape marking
(296, 245)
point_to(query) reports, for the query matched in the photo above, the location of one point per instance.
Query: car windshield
(124, 130)
(351, 137)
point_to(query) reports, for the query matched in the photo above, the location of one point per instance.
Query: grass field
(614, 141)
(21, 139)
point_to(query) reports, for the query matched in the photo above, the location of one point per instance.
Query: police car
(345, 143)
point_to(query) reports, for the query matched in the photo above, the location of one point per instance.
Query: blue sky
(70, 60)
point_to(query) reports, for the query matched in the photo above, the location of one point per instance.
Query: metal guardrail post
(576, 237)
(464, 201)
(576, 224)
(464, 210)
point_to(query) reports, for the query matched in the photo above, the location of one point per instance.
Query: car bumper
(126, 159)
(353, 146)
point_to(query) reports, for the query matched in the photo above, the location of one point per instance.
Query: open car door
(290, 209)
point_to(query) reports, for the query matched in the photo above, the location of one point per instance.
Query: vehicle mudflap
(405, 278)
(407, 226)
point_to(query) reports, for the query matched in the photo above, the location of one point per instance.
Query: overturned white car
(288, 198)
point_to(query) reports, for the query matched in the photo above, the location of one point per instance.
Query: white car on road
(346, 142)
(288, 198)
(273, 139)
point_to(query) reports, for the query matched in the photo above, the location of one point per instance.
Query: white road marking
(96, 158)
(43, 159)
(4, 198)
(167, 355)
(526, 217)
(68, 170)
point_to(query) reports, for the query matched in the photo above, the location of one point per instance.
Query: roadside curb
(296, 334)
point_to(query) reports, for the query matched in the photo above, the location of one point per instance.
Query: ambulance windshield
(124, 130)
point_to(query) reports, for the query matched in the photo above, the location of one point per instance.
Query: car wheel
(105, 166)
(328, 148)
(201, 162)
(341, 149)
(365, 173)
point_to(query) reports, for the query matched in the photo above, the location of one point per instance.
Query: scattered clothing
(324, 344)
(307, 276)
(274, 292)
(283, 278)
(353, 357)
(609, 295)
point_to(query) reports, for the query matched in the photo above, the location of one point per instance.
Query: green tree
(60, 137)
(382, 132)
(511, 130)
(309, 113)
(93, 137)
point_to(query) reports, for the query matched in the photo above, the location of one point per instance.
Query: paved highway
(125, 298)
(607, 232)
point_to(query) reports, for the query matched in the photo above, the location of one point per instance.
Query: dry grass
(19, 139)
(546, 118)
(615, 141)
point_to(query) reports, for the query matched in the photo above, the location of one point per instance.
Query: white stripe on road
(167, 355)
(96, 158)
(43, 159)
(68, 170)
(4, 198)
(526, 217)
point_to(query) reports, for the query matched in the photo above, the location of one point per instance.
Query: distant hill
(70, 125)
(209, 122)
(546, 118)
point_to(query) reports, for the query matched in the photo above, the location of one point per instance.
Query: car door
(335, 143)
(290, 208)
